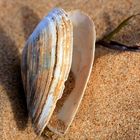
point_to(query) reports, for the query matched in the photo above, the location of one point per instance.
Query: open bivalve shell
(61, 45)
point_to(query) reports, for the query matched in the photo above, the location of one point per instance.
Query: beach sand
(110, 109)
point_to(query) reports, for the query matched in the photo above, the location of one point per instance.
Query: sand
(110, 109)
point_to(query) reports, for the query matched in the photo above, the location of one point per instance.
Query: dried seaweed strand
(107, 42)
(118, 46)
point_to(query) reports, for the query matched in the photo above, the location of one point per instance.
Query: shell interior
(83, 55)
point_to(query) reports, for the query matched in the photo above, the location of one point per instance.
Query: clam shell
(46, 62)
(62, 42)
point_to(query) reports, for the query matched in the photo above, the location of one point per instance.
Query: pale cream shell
(62, 41)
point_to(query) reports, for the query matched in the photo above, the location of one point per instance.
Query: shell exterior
(46, 62)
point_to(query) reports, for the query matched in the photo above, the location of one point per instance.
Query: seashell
(62, 42)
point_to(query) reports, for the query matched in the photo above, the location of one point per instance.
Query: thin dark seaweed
(109, 43)
(118, 46)
(119, 27)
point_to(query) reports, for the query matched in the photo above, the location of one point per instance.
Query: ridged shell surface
(45, 65)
